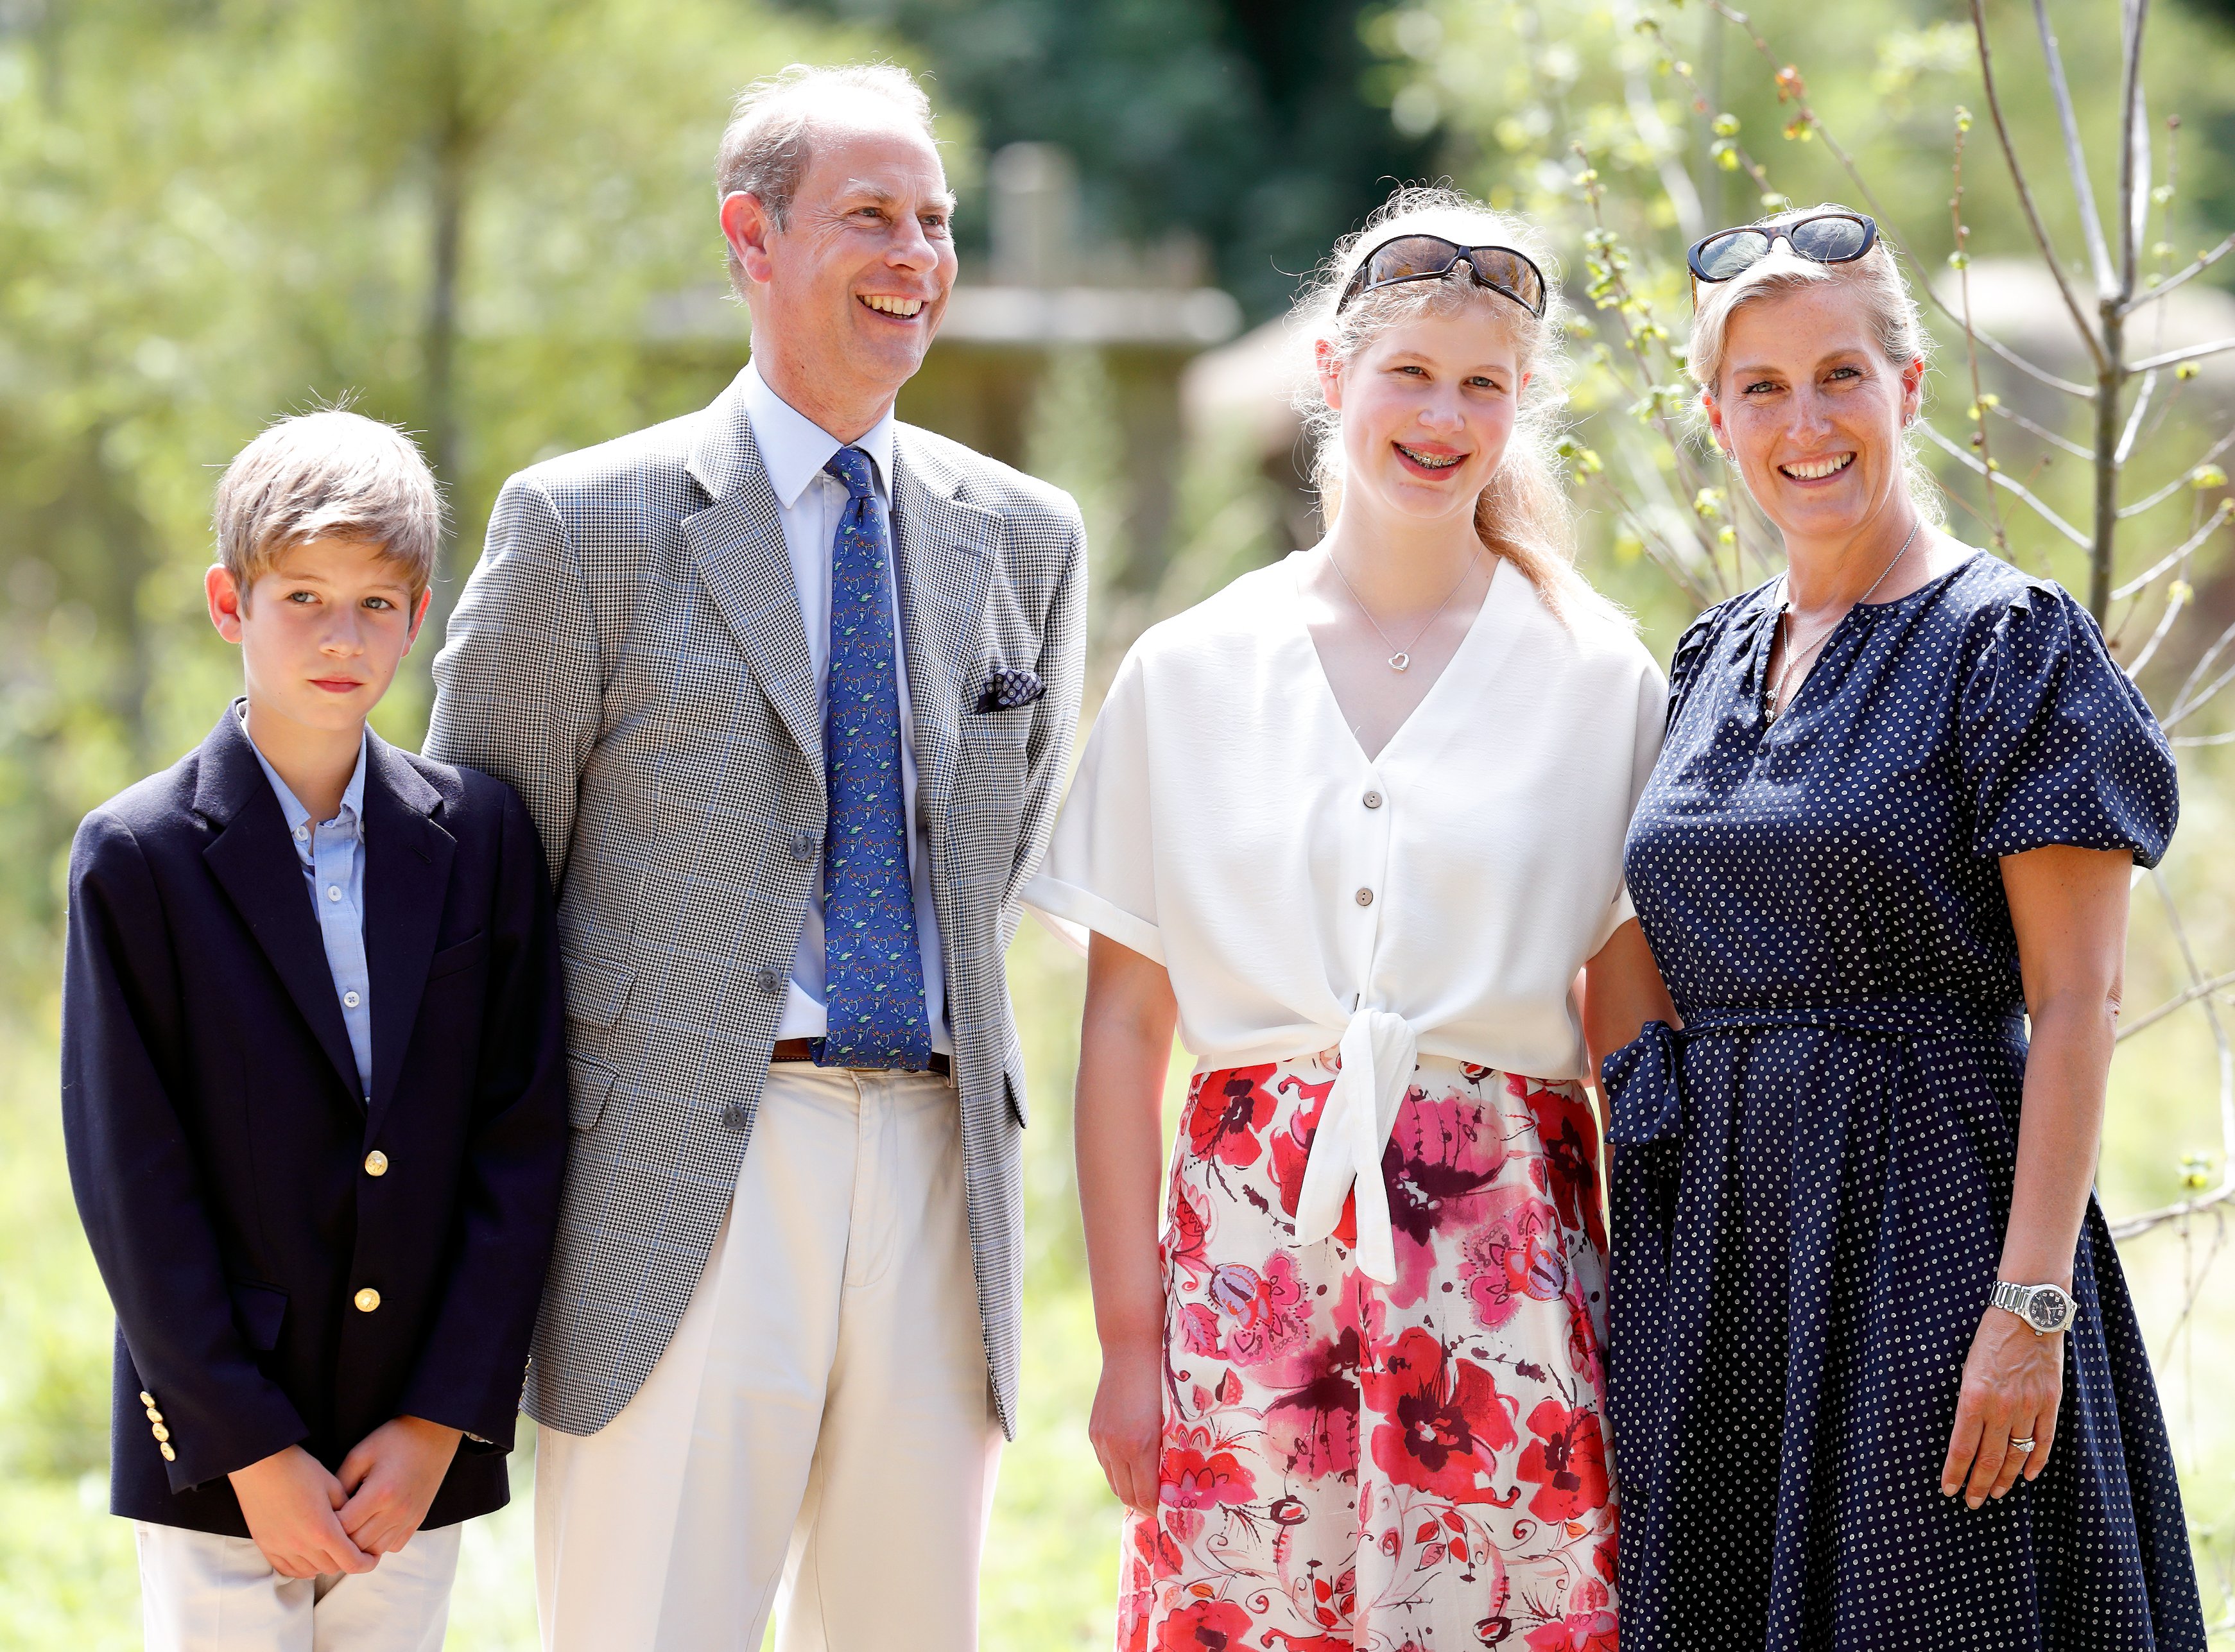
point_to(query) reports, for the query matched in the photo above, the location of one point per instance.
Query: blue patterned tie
(873, 973)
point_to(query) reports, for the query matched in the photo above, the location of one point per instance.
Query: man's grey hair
(331, 474)
(766, 147)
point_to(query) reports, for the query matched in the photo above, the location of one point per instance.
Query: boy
(312, 1090)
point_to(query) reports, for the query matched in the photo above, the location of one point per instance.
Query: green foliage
(1260, 127)
(213, 214)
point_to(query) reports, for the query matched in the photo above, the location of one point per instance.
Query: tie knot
(851, 467)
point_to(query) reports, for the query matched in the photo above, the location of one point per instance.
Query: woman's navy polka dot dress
(1811, 1179)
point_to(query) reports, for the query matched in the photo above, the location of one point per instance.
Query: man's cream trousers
(819, 1437)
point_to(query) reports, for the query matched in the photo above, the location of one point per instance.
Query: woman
(1901, 795)
(1355, 824)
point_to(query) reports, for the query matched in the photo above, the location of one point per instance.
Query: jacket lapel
(407, 877)
(255, 863)
(944, 549)
(737, 543)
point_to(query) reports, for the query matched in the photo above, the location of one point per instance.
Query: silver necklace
(1401, 658)
(1781, 691)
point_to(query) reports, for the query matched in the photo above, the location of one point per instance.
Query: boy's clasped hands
(308, 1521)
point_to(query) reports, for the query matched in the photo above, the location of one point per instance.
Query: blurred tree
(1248, 124)
(462, 213)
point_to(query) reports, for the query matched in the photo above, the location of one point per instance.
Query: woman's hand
(1127, 1425)
(2013, 1382)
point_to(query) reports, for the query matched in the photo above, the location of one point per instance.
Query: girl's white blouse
(1224, 822)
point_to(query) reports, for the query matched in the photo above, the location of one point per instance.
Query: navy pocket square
(1005, 691)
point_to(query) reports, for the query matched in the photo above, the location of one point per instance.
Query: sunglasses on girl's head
(1429, 258)
(1827, 238)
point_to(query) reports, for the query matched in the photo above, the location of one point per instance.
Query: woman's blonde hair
(1874, 279)
(1522, 514)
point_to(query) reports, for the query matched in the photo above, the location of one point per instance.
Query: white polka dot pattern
(1811, 1179)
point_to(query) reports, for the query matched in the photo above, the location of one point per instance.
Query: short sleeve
(1693, 651)
(1100, 870)
(2058, 747)
(1654, 695)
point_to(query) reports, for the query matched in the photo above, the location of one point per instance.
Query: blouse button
(1364, 897)
(1372, 800)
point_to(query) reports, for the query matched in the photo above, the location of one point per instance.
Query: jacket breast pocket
(453, 960)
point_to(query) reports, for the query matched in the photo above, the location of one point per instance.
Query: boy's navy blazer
(224, 1157)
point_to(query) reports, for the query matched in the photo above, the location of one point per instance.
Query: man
(790, 688)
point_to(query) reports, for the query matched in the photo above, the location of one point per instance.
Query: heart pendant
(1401, 660)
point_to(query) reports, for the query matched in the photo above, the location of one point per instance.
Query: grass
(67, 1573)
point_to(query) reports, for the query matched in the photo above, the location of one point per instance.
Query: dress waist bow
(1645, 1077)
(1378, 1051)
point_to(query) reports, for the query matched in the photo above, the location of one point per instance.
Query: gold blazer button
(367, 1300)
(376, 1163)
(169, 1456)
(159, 1431)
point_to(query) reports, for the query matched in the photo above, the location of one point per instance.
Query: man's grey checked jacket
(629, 654)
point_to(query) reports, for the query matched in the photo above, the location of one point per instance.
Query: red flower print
(1313, 1427)
(1259, 1317)
(1186, 1248)
(1583, 1345)
(1566, 1462)
(1447, 1420)
(1577, 1632)
(1441, 1156)
(1570, 1136)
(1228, 1111)
(1194, 1479)
(1203, 1626)
(1514, 1259)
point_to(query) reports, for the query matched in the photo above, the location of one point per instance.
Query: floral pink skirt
(1346, 1465)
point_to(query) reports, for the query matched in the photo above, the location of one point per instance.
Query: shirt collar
(352, 810)
(794, 449)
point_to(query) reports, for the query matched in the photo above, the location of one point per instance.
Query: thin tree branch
(2136, 1227)
(2025, 193)
(2174, 357)
(2184, 480)
(2134, 420)
(2043, 432)
(2133, 147)
(2204, 262)
(2181, 999)
(2075, 157)
(2004, 479)
(2211, 527)
(2176, 601)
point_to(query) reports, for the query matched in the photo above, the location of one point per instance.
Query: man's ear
(227, 600)
(418, 617)
(747, 226)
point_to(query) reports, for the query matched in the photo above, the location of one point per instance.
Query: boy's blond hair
(331, 473)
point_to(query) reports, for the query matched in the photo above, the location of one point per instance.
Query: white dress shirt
(794, 449)
(1438, 899)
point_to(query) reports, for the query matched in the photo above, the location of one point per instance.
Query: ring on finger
(2022, 1445)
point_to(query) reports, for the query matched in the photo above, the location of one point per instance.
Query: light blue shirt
(794, 449)
(332, 857)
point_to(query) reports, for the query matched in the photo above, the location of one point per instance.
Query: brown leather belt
(803, 1050)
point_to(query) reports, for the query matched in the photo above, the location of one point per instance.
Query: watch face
(2048, 1310)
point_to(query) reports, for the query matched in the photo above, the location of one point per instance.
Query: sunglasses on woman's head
(1429, 258)
(1824, 238)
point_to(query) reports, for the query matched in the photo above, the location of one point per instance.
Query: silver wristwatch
(2044, 1308)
